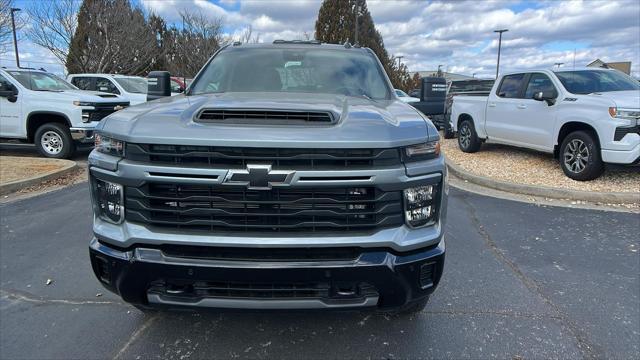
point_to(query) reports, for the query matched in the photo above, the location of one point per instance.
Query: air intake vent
(257, 116)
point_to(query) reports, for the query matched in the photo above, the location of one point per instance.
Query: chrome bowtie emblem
(258, 177)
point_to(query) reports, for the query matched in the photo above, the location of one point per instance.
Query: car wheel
(580, 157)
(54, 141)
(468, 140)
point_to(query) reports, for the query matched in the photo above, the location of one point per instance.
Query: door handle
(492, 105)
(522, 106)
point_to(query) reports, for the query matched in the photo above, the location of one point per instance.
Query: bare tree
(188, 49)
(6, 31)
(53, 24)
(246, 36)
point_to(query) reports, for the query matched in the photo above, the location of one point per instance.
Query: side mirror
(9, 92)
(542, 96)
(158, 85)
(433, 95)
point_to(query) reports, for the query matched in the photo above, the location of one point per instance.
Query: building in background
(447, 75)
(624, 66)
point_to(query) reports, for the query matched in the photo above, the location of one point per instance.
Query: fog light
(109, 201)
(419, 205)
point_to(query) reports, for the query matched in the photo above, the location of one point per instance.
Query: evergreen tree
(336, 25)
(113, 37)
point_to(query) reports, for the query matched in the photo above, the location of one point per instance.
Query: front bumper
(83, 137)
(622, 156)
(379, 278)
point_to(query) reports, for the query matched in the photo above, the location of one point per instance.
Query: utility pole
(499, 47)
(558, 65)
(399, 58)
(15, 39)
(357, 14)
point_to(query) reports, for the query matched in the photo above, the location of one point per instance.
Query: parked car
(260, 189)
(178, 85)
(404, 97)
(471, 87)
(415, 93)
(585, 117)
(40, 108)
(131, 88)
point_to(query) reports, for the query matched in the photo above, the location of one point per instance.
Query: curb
(21, 184)
(545, 191)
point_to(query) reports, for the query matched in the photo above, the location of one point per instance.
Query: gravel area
(15, 167)
(529, 167)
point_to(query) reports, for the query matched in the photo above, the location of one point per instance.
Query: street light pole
(558, 65)
(499, 47)
(15, 39)
(357, 13)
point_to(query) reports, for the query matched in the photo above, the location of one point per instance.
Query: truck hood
(629, 99)
(80, 95)
(362, 123)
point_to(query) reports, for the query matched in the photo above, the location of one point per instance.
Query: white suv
(41, 108)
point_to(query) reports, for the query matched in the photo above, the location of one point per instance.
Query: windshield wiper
(47, 90)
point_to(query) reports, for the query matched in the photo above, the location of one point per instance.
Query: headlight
(423, 151)
(420, 205)
(109, 145)
(624, 114)
(108, 201)
(82, 103)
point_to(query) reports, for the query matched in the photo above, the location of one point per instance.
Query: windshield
(135, 85)
(40, 81)
(346, 72)
(592, 81)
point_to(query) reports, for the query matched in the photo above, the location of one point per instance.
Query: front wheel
(468, 140)
(580, 157)
(54, 141)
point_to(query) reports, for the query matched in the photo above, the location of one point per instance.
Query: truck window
(82, 83)
(539, 82)
(105, 85)
(510, 86)
(591, 81)
(346, 72)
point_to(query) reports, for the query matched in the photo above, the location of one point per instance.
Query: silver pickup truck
(288, 176)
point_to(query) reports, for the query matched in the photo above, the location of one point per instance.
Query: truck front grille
(236, 209)
(103, 110)
(230, 157)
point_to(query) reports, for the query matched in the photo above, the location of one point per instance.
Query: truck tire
(54, 141)
(468, 140)
(580, 157)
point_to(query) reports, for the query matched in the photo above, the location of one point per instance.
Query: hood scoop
(265, 116)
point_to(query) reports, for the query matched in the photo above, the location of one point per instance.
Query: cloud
(457, 34)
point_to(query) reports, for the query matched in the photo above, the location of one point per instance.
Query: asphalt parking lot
(520, 281)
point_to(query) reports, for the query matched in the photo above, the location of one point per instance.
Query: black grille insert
(621, 132)
(236, 209)
(280, 158)
(251, 116)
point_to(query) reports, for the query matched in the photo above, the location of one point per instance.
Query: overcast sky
(457, 34)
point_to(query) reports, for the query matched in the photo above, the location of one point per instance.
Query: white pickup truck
(40, 108)
(586, 117)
